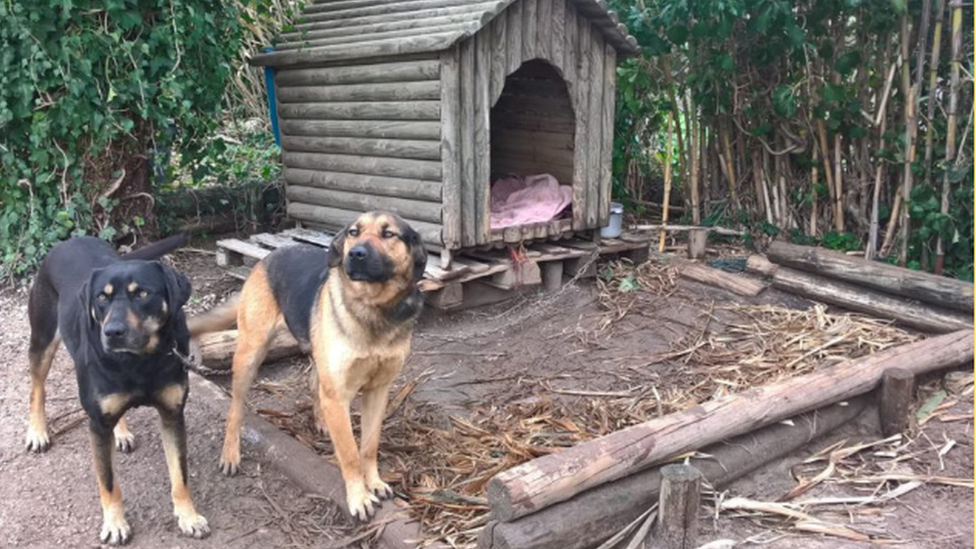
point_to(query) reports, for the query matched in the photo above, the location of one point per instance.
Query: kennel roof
(330, 31)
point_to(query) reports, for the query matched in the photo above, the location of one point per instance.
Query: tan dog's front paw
(37, 440)
(193, 525)
(362, 504)
(115, 530)
(125, 441)
(379, 488)
(230, 460)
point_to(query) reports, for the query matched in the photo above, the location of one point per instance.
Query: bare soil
(464, 364)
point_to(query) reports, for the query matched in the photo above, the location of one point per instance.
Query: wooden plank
(529, 29)
(428, 90)
(404, 71)
(551, 140)
(379, 129)
(472, 265)
(380, 28)
(581, 158)
(530, 104)
(353, 38)
(466, 8)
(451, 145)
(367, 165)
(570, 51)
(336, 218)
(594, 126)
(376, 110)
(243, 248)
(415, 189)
(273, 241)
(482, 137)
(468, 220)
(389, 148)
(412, 209)
(378, 51)
(557, 52)
(513, 29)
(499, 50)
(606, 141)
(390, 9)
(535, 122)
(318, 238)
(537, 484)
(544, 29)
(736, 284)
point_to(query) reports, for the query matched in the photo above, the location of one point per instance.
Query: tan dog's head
(381, 248)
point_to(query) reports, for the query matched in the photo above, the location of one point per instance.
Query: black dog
(122, 322)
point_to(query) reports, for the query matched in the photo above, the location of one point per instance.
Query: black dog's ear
(418, 253)
(86, 297)
(178, 288)
(337, 248)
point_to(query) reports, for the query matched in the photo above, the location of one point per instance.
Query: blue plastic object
(269, 83)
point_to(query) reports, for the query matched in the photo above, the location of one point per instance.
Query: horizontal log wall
(359, 138)
(540, 120)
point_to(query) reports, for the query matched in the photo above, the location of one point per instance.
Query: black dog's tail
(157, 249)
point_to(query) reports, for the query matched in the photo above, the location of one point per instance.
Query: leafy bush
(90, 94)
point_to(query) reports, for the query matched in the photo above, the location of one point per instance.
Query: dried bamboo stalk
(909, 117)
(667, 184)
(951, 124)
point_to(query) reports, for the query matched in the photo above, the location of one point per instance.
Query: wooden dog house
(416, 106)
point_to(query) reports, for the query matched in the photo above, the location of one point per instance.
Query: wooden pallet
(543, 263)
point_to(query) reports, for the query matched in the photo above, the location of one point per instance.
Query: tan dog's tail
(221, 317)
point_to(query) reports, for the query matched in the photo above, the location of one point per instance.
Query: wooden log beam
(684, 228)
(930, 288)
(337, 218)
(408, 209)
(736, 284)
(366, 110)
(388, 148)
(377, 29)
(413, 189)
(758, 264)
(425, 90)
(590, 518)
(697, 241)
(217, 349)
(907, 312)
(542, 482)
(427, 170)
(378, 129)
(404, 71)
(381, 49)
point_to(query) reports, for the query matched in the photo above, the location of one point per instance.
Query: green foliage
(844, 242)
(88, 90)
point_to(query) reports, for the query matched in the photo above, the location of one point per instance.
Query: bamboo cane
(693, 160)
(950, 125)
(667, 185)
(907, 95)
(812, 230)
(933, 82)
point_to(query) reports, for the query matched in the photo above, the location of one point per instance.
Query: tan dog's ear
(418, 254)
(337, 248)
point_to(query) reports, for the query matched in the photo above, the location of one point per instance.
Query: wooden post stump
(697, 238)
(678, 507)
(552, 275)
(895, 408)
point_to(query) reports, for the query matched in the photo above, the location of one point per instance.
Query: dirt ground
(567, 347)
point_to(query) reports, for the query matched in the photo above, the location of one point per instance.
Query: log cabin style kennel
(419, 106)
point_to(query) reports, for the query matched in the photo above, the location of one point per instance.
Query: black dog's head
(379, 247)
(130, 302)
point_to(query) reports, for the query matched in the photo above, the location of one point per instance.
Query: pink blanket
(532, 199)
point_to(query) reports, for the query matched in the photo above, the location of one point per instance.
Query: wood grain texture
(379, 129)
(468, 220)
(416, 189)
(482, 138)
(451, 145)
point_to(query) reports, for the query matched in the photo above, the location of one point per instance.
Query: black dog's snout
(115, 329)
(358, 252)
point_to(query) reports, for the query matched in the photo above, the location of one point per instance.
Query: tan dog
(354, 307)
